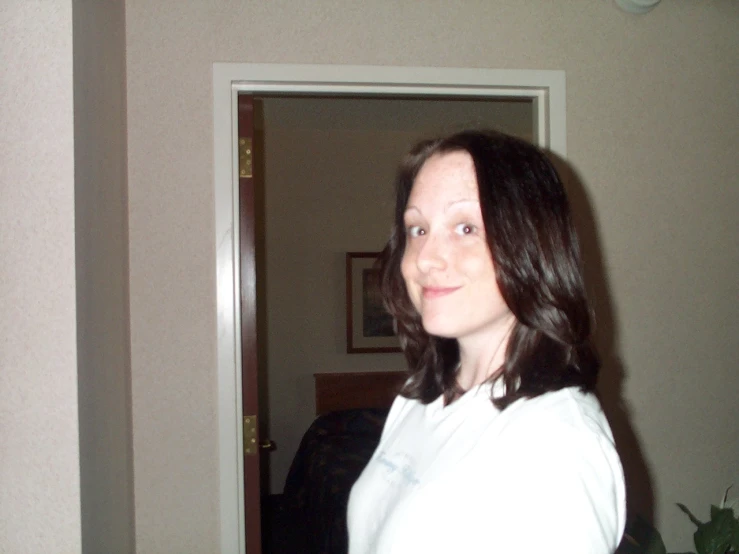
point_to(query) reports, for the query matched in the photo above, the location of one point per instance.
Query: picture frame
(369, 328)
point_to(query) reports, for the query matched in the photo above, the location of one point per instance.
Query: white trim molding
(545, 88)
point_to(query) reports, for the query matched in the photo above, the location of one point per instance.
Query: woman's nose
(432, 254)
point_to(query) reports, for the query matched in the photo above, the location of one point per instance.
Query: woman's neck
(481, 357)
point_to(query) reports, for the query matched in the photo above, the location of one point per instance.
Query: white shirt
(541, 476)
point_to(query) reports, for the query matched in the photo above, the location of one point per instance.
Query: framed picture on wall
(369, 328)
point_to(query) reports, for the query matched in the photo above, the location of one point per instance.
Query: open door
(249, 358)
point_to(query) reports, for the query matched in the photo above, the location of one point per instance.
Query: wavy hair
(538, 268)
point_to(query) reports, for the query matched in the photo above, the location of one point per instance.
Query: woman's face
(447, 266)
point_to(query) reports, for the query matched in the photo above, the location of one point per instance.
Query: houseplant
(719, 535)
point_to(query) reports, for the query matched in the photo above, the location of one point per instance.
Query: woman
(497, 442)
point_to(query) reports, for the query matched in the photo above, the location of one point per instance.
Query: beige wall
(106, 461)
(39, 454)
(651, 131)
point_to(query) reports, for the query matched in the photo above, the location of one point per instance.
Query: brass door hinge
(250, 435)
(245, 157)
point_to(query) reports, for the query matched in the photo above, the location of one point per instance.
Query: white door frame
(545, 88)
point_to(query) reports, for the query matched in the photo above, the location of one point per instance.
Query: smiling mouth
(437, 292)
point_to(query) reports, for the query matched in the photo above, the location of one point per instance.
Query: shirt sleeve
(549, 487)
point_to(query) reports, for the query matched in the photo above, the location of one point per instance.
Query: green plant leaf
(694, 519)
(726, 496)
(735, 536)
(714, 511)
(715, 536)
(735, 532)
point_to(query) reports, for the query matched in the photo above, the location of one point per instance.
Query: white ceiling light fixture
(637, 6)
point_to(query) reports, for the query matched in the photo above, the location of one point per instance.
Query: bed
(309, 517)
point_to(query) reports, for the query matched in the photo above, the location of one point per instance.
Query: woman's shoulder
(557, 458)
(567, 430)
(568, 412)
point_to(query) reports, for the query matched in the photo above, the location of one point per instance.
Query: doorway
(309, 89)
(328, 165)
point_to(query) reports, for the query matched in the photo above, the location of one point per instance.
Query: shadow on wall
(639, 492)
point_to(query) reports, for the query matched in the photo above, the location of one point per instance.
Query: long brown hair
(536, 254)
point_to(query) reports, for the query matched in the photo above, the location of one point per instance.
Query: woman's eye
(415, 231)
(464, 229)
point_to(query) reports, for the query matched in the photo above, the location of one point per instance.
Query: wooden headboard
(346, 391)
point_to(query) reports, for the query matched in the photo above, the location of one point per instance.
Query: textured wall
(106, 460)
(651, 133)
(39, 454)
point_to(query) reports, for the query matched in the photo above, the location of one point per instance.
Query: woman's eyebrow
(461, 202)
(452, 204)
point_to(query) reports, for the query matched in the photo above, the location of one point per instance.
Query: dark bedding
(310, 516)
